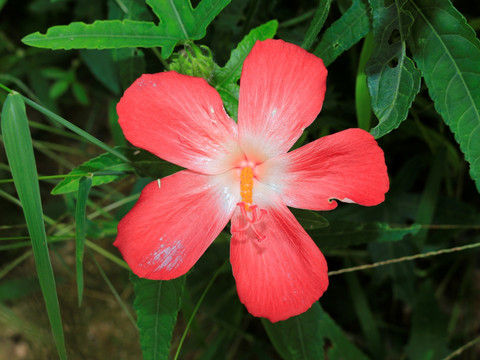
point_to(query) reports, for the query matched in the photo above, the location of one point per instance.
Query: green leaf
(317, 23)
(80, 228)
(364, 313)
(130, 65)
(393, 79)
(428, 201)
(363, 107)
(102, 34)
(428, 336)
(74, 128)
(59, 88)
(178, 22)
(115, 129)
(17, 288)
(342, 234)
(104, 168)
(344, 33)
(2, 4)
(447, 52)
(309, 219)
(157, 303)
(80, 93)
(19, 150)
(102, 67)
(226, 78)
(107, 168)
(401, 275)
(303, 337)
(129, 9)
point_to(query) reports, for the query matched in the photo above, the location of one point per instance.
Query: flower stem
(405, 258)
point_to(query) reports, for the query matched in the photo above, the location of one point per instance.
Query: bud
(194, 60)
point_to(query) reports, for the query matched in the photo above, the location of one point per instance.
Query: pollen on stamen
(246, 186)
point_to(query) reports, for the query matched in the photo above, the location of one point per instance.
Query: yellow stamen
(246, 186)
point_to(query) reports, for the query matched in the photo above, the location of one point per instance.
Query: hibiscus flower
(243, 172)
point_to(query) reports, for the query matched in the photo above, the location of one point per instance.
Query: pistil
(246, 186)
(252, 214)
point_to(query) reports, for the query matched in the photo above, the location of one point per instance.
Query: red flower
(243, 172)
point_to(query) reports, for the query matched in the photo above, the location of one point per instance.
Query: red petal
(180, 119)
(348, 166)
(282, 88)
(283, 274)
(170, 227)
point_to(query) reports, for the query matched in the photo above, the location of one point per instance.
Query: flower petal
(180, 119)
(348, 166)
(171, 226)
(283, 274)
(282, 88)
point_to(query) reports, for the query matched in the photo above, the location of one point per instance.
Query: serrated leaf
(316, 25)
(156, 304)
(226, 78)
(178, 22)
(342, 234)
(104, 163)
(344, 33)
(447, 52)
(303, 337)
(102, 34)
(393, 79)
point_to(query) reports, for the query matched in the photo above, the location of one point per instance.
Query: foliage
(67, 176)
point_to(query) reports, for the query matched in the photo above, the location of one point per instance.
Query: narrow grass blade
(74, 128)
(114, 292)
(19, 150)
(12, 265)
(80, 221)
